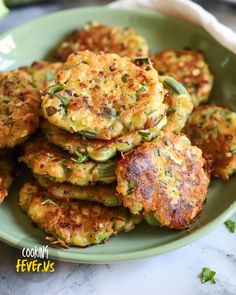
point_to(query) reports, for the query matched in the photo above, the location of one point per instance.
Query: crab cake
(97, 37)
(164, 180)
(213, 129)
(107, 195)
(6, 178)
(73, 223)
(179, 104)
(45, 159)
(103, 96)
(43, 73)
(189, 68)
(19, 108)
(99, 150)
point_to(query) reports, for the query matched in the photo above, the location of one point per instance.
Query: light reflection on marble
(172, 273)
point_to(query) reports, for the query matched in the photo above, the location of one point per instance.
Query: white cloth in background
(187, 10)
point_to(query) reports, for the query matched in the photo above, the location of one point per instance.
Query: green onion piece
(88, 134)
(80, 158)
(178, 183)
(141, 90)
(145, 133)
(63, 99)
(171, 110)
(208, 275)
(151, 219)
(50, 177)
(231, 225)
(103, 236)
(107, 170)
(233, 150)
(177, 87)
(131, 187)
(124, 78)
(55, 88)
(49, 76)
(142, 61)
(112, 201)
(48, 202)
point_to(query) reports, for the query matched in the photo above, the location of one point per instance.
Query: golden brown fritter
(47, 160)
(179, 104)
(99, 150)
(105, 194)
(73, 223)
(213, 129)
(103, 96)
(189, 68)
(19, 108)
(43, 73)
(97, 37)
(164, 180)
(6, 178)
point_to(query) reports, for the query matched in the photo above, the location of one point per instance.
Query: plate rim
(62, 255)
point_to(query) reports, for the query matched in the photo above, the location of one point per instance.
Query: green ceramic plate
(34, 41)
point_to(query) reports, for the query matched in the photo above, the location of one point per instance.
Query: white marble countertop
(172, 273)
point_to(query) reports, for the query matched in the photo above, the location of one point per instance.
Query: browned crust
(175, 200)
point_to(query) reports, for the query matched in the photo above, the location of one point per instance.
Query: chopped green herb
(108, 113)
(151, 219)
(174, 85)
(48, 202)
(167, 142)
(96, 80)
(103, 236)
(55, 88)
(144, 133)
(208, 275)
(124, 78)
(112, 201)
(131, 187)
(107, 170)
(80, 158)
(88, 134)
(50, 177)
(178, 183)
(141, 90)
(233, 150)
(151, 112)
(6, 101)
(49, 76)
(63, 99)
(168, 173)
(171, 110)
(231, 225)
(142, 61)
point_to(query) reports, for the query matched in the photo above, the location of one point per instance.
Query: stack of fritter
(110, 151)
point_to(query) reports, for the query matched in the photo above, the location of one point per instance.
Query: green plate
(35, 40)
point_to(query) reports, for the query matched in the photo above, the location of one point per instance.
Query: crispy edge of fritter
(107, 195)
(94, 37)
(73, 223)
(218, 151)
(202, 81)
(46, 159)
